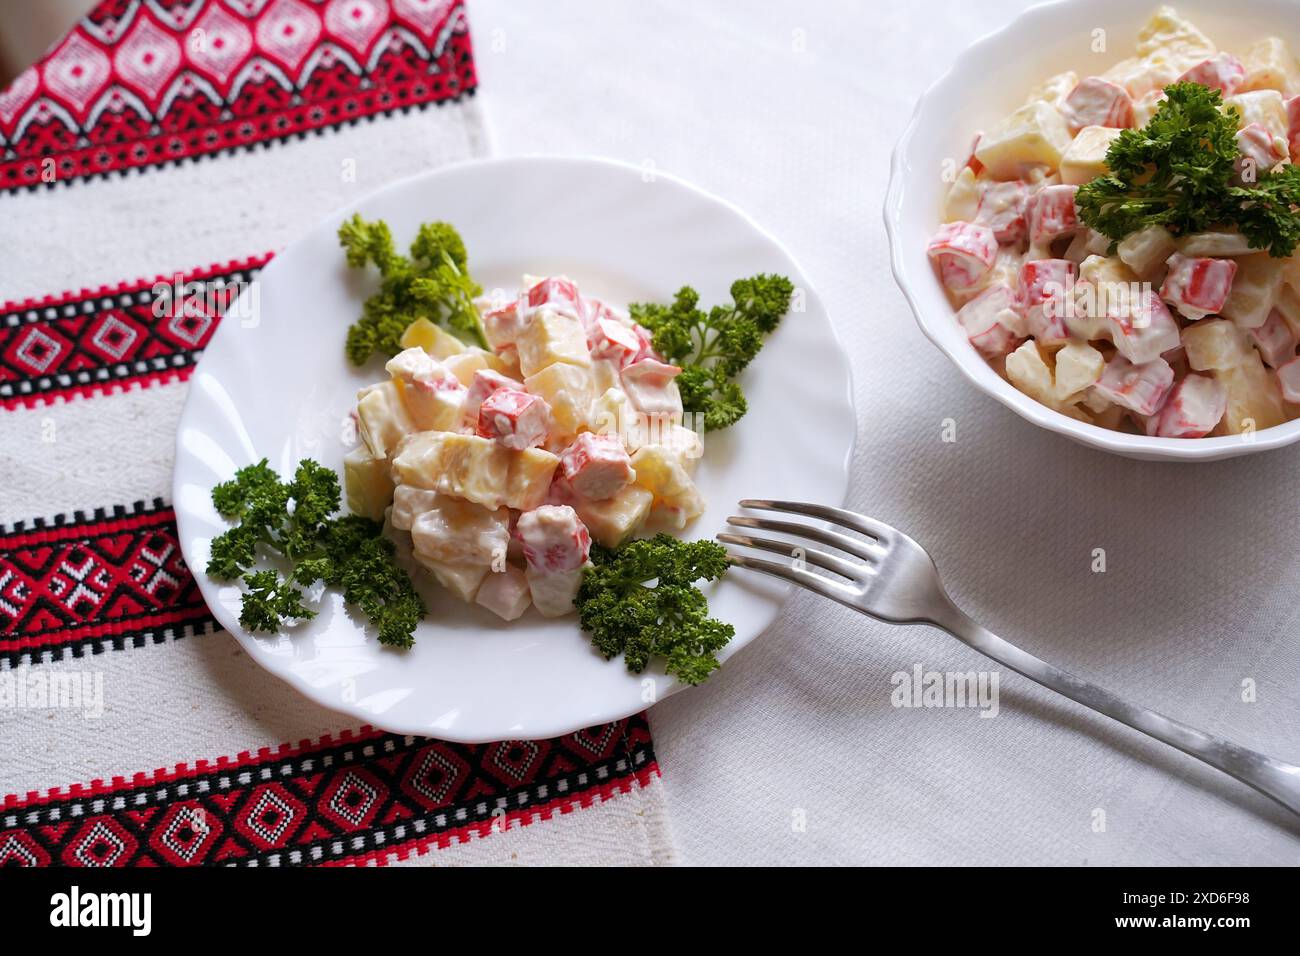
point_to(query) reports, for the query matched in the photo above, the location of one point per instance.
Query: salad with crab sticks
(1121, 248)
(532, 454)
(503, 464)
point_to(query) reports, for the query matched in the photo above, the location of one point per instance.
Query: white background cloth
(794, 754)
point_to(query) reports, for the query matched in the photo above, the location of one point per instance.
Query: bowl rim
(1123, 443)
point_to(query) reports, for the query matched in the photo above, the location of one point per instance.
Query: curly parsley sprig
(1179, 172)
(640, 600)
(294, 519)
(716, 346)
(433, 283)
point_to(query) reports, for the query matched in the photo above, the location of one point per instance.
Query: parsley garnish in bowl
(1180, 172)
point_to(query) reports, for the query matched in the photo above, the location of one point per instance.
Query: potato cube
(1215, 344)
(455, 531)
(505, 593)
(675, 514)
(502, 326)
(551, 337)
(1255, 290)
(465, 364)
(462, 466)
(687, 443)
(1215, 244)
(1269, 66)
(529, 478)
(660, 471)
(612, 414)
(1085, 158)
(433, 396)
(568, 389)
(1167, 30)
(1254, 397)
(1034, 135)
(1054, 89)
(1078, 366)
(1147, 250)
(1265, 107)
(367, 484)
(612, 521)
(409, 503)
(1143, 75)
(462, 580)
(434, 339)
(1029, 373)
(553, 594)
(382, 418)
(433, 408)
(604, 375)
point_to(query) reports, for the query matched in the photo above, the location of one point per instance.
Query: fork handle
(1273, 778)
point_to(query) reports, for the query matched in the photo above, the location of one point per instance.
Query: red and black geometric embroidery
(110, 580)
(367, 798)
(115, 337)
(147, 82)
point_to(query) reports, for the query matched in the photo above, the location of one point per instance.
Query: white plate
(989, 80)
(277, 385)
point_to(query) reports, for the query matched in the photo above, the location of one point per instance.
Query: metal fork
(895, 580)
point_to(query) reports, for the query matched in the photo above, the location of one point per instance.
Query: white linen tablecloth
(793, 753)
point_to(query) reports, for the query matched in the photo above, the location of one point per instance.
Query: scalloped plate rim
(543, 728)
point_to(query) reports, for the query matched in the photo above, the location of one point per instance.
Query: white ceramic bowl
(985, 83)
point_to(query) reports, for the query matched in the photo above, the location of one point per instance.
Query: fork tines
(867, 552)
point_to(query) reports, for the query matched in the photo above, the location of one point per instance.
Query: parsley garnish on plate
(432, 283)
(1178, 172)
(640, 600)
(714, 347)
(294, 521)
